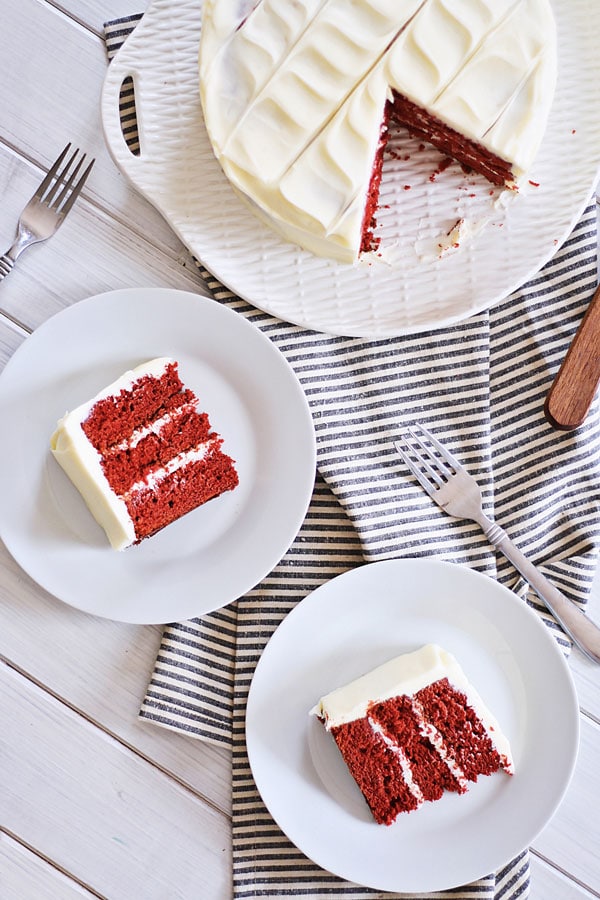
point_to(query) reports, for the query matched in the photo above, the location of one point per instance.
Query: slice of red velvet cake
(412, 729)
(142, 453)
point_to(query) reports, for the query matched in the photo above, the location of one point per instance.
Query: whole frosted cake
(142, 453)
(299, 96)
(412, 729)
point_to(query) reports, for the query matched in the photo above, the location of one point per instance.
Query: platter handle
(121, 152)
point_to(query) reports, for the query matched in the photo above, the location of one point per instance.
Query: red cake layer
(375, 769)
(369, 241)
(402, 725)
(114, 418)
(124, 466)
(467, 152)
(410, 749)
(177, 494)
(142, 434)
(447, 710)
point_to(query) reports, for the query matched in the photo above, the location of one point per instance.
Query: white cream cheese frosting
(294, 91)
(404, 676)
(82, 462)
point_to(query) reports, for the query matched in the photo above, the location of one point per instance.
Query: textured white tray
(418, 290)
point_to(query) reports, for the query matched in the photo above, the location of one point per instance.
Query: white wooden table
(92, 801)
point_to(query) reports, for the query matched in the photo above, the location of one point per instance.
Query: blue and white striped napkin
(481, 385)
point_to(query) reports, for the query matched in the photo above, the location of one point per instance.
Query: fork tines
(427, 459)
(48, 207)
(61, 187)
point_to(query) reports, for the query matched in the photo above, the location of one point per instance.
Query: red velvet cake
(298, 96)
(142, 453)
(412, 729)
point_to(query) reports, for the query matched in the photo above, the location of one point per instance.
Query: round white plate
(178, 173)
(213, 554)
(347, 627)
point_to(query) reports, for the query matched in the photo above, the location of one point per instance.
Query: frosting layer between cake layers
(141, 453)
(294, 95)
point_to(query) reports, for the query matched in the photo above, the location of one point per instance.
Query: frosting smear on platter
(412, 729)
(299, 96)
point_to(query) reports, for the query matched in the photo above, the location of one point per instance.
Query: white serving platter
(418, 290)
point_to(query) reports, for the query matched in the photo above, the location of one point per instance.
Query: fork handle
(6, 265)
(23, 240)
(583, 631)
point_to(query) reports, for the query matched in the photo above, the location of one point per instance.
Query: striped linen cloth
(481, 386)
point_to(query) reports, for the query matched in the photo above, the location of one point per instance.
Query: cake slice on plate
(412, 729)
(142, 453)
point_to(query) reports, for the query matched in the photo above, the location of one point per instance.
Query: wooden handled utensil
(574, 387)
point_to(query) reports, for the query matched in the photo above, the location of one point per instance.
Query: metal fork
(47, 209)
(457, 492)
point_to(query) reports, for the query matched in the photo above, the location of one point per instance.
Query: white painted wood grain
(25, 876)
(82, 769)
(547, 883)
(10, 339)
(94, 14)
(52, 75)
(572, 839)
(586, 674)
(83, 800)
(90, 254)
(102, 668)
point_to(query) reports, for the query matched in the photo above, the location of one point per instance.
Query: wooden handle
(573, 390)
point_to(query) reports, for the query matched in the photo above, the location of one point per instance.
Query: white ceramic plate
(346, 628)
(215, 553)
(178, 173)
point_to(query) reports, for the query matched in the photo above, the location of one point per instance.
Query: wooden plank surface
(100, 812)
(107, 253)
(549, 882)
(44, 106)
(28, 875)
(566, 839)
(96, 803)
(95, 655)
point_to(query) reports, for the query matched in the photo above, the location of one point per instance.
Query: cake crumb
(445, 164)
